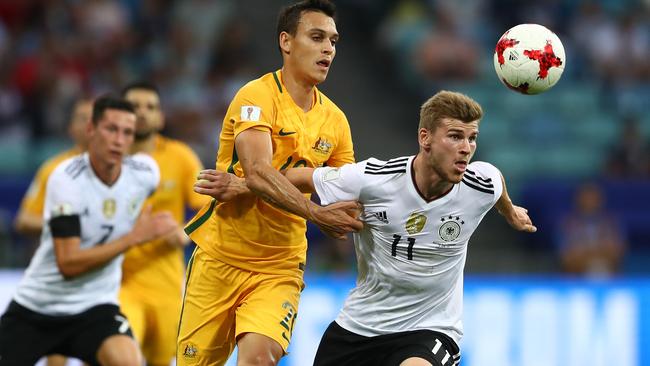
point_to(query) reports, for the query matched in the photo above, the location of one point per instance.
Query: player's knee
(415, 361)
(119, 351)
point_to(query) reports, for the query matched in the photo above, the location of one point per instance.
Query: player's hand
(518, 218)
(177, 238)
(219, 185)
(150, 226)
(338, 219)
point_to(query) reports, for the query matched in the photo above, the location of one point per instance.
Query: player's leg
(422, 348)
(257, 350)
(103, 336)
(56, 360)
(340, 347)
(266, 317)
(135, 312)
(119, 350)
(24, 336)
(206, 330)
(160, 347)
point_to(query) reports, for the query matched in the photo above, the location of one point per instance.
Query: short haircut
(290, 15)
(447, 104)
(141, 84)
(109, 102)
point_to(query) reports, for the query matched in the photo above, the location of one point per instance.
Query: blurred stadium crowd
(591, 132)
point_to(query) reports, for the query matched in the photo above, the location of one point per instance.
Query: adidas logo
(513, 56)
(381, 216)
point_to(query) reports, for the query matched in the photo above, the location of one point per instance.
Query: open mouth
(461, 165)
(324, 63)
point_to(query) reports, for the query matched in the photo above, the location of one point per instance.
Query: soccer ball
(529, 58)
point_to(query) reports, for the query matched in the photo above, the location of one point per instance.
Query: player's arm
(28, 223)
(255, 153)
(516, 216)
(29, 219)
(72, 260)
(225, 187)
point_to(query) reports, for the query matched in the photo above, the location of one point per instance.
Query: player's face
(112, 136)
(452, 145)
(79, 120)
(312, 49)
(147, 109)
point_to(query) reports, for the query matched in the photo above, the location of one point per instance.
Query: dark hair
(139, 85)
(290, 15)
(109, 102)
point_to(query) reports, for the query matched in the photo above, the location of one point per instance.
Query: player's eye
(473, 138)
(333, 41)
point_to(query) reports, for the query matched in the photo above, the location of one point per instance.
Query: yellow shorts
(154, 325)
(223, 302)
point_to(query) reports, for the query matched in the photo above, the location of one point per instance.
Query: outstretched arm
(255, 155)
(516, 216)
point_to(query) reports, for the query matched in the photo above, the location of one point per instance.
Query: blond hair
(447, 104)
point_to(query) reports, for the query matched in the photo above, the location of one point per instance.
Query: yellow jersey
(34, 199)
(156, 268)
(248, 232)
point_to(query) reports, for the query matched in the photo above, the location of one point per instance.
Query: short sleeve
(344, 151)
(482, 172)
(335, 184)
(252, 107)
(34, 200)
(62, 195)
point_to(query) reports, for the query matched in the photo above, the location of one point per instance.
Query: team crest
(109, 207)
(322, 146)
(190, 351)
(415, 223)
(450, 228)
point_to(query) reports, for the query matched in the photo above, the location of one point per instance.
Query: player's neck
(146, 145)
(427, 181)
(107, 173)
(300, 91)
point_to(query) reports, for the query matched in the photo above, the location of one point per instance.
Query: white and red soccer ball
(529, 58)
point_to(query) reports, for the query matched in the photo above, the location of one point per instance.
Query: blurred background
(577, 156)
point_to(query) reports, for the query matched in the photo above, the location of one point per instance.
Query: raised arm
(255, 154)
(516, 216)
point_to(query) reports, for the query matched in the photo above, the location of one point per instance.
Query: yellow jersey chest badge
(109, 207)
(322, 146)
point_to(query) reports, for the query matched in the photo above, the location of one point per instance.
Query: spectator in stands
(630, 157)
(591, 240)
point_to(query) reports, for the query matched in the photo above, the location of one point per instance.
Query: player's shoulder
(267, 84)
(329, 104)
(172, 146)
(391, 167)
(70, 170)
(48, 166)
(482, 177)
(483, 169)
(140, 164)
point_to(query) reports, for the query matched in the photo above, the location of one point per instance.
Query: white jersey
(105, 214)
(411, 253)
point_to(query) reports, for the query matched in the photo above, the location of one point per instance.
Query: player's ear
(424, 138)
(285, 42)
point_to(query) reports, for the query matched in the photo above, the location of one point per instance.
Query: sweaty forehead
(311, 20)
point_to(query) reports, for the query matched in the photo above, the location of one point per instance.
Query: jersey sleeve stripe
(478, 188)
(371, 166)
(486, 180)
(475, 180)
(202, 219)
(385, 172)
